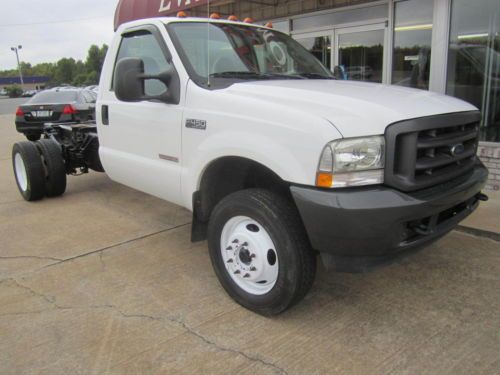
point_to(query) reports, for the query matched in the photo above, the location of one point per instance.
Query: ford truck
(278, 161)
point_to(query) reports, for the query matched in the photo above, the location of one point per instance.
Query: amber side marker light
(232, 18)
(181, 14)
(215, 16)
(324, 180)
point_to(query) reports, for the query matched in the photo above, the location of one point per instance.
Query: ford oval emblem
(457, 149)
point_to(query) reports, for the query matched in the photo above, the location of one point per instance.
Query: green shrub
(14, 91)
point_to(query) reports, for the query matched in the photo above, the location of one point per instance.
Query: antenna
(208, 43)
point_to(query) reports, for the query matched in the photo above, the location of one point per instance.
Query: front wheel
(260, 251)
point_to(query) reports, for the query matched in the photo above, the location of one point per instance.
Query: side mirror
(129, 82)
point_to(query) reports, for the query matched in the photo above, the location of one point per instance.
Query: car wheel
(260, 252)
(33, 137)
(28, 170)
(55, 168)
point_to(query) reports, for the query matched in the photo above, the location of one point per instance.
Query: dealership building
(446, 46)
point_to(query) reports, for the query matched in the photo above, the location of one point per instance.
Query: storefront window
(474, 60)
(340, 17)
(361, 55)
(412, 43)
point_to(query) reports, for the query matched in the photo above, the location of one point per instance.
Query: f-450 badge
(196, 124)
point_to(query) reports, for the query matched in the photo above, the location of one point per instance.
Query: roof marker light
(232, 17)
(269, 25)
(215, 16)
(181, 14)
(248, 20)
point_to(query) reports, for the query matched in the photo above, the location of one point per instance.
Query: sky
(49, 30)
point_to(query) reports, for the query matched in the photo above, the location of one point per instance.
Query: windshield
(242, 53)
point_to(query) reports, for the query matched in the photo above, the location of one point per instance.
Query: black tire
(55, 168)
(31, 183)
(33, 137)
(297, 261)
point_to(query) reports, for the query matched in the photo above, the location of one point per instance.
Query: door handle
(105, 115)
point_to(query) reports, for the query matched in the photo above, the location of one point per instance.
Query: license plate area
(42, 113)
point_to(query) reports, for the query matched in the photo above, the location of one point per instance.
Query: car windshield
(222, 50)
(50, 97)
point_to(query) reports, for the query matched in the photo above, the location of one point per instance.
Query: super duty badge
(196, 124)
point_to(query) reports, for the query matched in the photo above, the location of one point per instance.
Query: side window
(143, 45)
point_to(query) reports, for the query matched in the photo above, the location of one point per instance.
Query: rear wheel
(28, 170)
(55, 168)
(260, 252)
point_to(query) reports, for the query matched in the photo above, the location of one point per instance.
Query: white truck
(277, 160)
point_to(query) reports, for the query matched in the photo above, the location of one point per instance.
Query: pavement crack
(49, 299)
(52, 301)
(103, 265)
(205, 339)
(105, 248)
(30, 257)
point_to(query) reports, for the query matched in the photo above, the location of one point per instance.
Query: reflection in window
(474, 60)
(412, 43)
(361, 55)
(320, 47)
(144, 46)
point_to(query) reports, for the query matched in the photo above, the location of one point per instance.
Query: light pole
(16, 49)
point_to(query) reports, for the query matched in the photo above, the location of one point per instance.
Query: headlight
(352, 162)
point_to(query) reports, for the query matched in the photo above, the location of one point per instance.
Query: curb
(479, 232)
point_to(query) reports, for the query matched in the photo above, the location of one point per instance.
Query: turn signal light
(69, 110)
(19, 112)
(324, 180)
(232, 18)
(181, 14)
(215, 16)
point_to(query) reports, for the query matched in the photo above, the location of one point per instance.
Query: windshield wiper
(314, 76)
(242, 74)
(254, 75)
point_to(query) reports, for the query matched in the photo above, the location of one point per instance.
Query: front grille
(431, 150)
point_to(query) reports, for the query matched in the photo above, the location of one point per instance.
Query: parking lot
(104, 280)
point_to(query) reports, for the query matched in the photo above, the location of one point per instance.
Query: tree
(95, 59)
(64, 70)
(67, 70)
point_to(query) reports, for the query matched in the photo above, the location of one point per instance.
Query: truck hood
(354, 108)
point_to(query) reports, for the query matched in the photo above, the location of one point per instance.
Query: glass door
(359, 52)
(319, 44)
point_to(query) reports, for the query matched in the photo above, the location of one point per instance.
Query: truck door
(141, 141)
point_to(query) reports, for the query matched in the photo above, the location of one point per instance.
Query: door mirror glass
(129, 84)
(132, 84)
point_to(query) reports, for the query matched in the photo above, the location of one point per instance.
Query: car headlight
(352, 162)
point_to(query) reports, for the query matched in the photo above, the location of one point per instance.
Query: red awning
(129, 10)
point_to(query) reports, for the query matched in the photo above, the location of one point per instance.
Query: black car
(56, 105)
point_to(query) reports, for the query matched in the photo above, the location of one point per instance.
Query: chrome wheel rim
(249, 255)
(21, 175)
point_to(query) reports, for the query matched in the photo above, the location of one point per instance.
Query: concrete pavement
(8, 106)
(104, 280)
